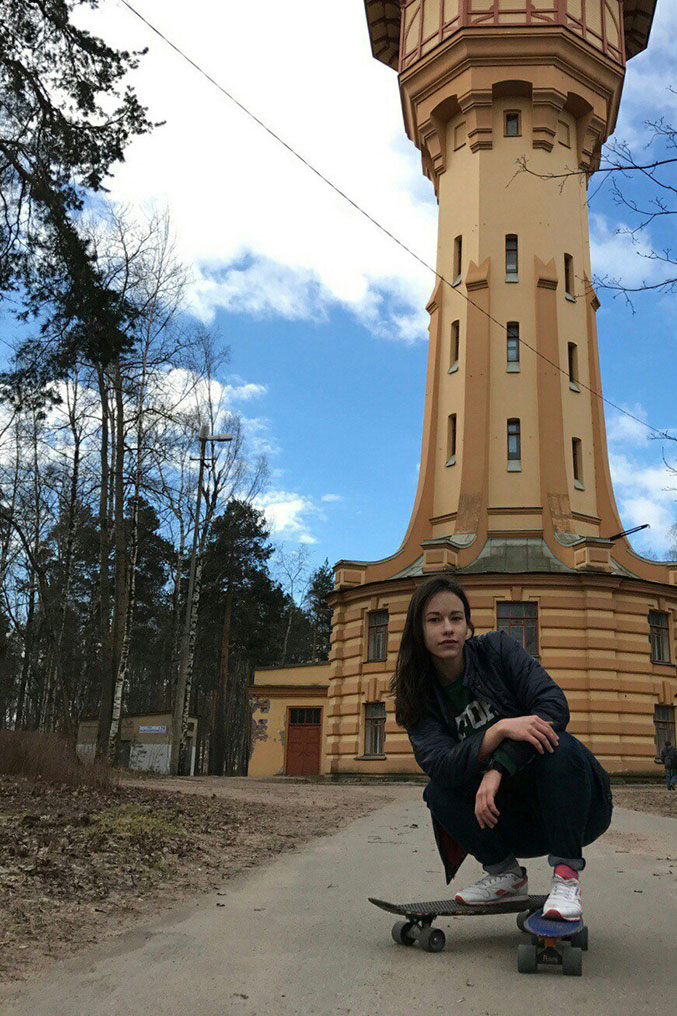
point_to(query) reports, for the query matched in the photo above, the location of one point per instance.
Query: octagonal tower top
(429, 22)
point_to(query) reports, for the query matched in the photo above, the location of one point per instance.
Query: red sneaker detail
(518, 885)
(564, 871)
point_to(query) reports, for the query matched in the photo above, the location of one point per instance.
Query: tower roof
(383, 18)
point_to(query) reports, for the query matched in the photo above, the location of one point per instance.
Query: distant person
(669, 759)
(487, 725)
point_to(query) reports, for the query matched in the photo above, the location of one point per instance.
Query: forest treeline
(108, 383)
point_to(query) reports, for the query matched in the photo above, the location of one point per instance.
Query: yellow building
(514, 494)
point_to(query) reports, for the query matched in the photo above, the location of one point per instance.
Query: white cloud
(618, 255)
(264, 234)
(331, 498)
(626, 432)
(289, 514)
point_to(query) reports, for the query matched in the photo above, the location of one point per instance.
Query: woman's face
(445, 628)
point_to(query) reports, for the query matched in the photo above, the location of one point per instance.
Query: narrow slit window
(377, 641)
(513, 344)
(573, 365)
(451, 440)
(563, 133)
(458, 258)
(511, 255)
(512, 124)
(569, 275)
(577, 461)
(659, 636)
(455, 344)
(374, 728)
(459, 135)
(514, 441)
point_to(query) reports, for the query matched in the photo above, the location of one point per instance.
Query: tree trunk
(219, 734)
(27, 656)
(106, 702)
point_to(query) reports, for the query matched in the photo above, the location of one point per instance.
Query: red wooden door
(304, 742)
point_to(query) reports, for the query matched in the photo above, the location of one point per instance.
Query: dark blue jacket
(499, 669)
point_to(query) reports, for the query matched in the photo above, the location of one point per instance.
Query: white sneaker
(564, 902)
(510, 885)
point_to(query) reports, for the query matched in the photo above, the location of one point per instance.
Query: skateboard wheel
(527, 962)
(401, 933)
(432, 939)
(572, 962)
(580, 939)
(521, 918)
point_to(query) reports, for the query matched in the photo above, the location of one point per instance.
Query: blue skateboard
(555, 943)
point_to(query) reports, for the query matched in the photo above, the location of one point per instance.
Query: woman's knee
(567, 753)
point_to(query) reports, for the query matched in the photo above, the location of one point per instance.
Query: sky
(324, 315)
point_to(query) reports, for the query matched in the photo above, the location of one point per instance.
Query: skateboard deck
(449, 908)
(537, 924)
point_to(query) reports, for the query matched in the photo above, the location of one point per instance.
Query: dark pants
(558, 804)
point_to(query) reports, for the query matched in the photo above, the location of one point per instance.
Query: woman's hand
(486, 812)
(532, 729)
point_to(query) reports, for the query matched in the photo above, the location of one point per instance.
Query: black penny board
(449, 908)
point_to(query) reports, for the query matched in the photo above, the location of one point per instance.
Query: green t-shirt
(472, 714)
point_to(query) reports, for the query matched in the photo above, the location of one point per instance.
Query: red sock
(564, 871)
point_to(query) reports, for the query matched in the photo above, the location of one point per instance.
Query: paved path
(299, 937)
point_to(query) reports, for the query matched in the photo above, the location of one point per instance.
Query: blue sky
(324, 316)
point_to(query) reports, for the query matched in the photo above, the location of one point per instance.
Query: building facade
(515, 495)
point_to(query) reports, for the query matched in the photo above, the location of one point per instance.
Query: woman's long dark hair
(410, 684)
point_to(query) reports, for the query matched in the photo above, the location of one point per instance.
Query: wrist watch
(498, 766)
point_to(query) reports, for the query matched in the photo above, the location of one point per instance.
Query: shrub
(49, 757)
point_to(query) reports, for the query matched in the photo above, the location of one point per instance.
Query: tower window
(377, 643)
(572, 353)
(569, 276)
(458, 259)
(512, 125)
(578, 462)
(514, 446)
(511, 257)
(374, 728)
(451, 440)
(455, 343)
(513, 329)
(520, 621)
(459, 135)
(659, 636)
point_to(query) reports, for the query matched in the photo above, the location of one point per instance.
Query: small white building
(145, 741)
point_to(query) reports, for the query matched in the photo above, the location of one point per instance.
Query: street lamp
(180, 708)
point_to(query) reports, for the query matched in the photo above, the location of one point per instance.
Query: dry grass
(51, 758)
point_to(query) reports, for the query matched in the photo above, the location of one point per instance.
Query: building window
(455, 343)
(563, 133)
(458, 259)
(659, 636)
(577, 461)
(375, 728)
(569, 276)
(520, 620)
(514, 446)
(511, 258)
(304, 716)
(459, 135)
(451, 440)
(512, 126)
(377, 644)
(513, 330)
(664, 722)
(572, 353)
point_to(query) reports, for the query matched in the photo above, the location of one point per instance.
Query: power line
(370, 217)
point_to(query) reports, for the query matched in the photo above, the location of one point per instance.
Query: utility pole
(181, 706)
